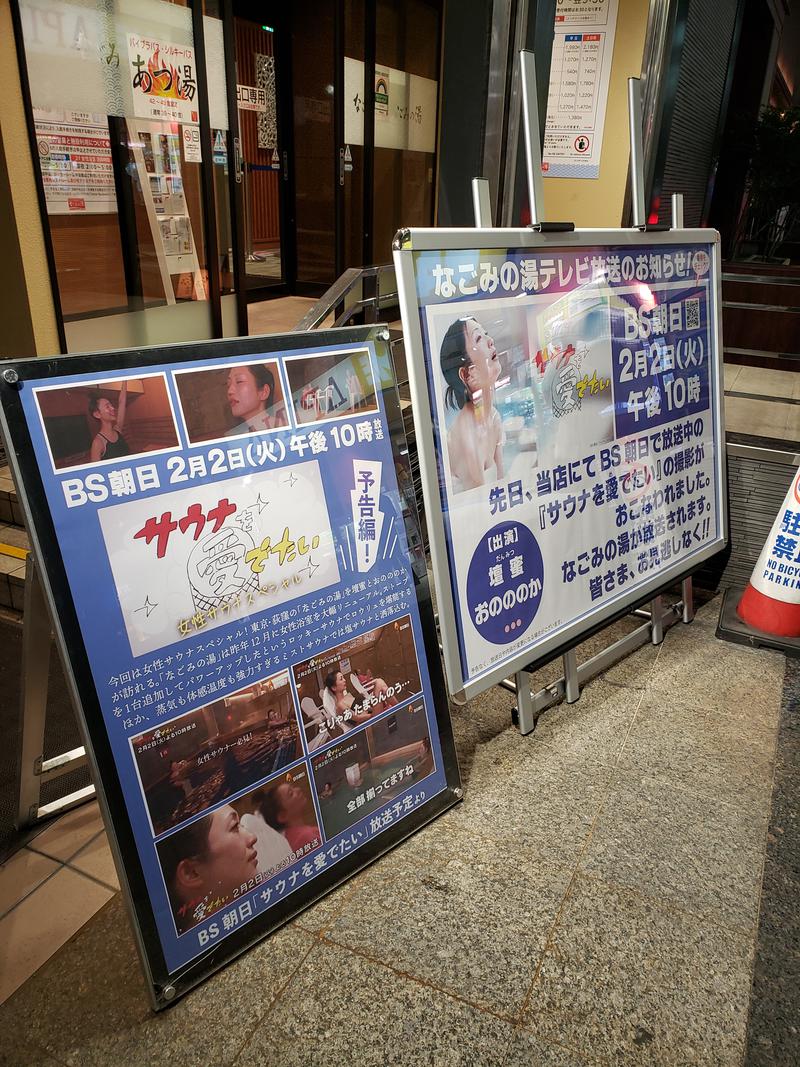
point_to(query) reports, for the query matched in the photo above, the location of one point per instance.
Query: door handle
(237, 159)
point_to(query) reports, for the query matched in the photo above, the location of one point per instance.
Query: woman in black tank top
(109, 442)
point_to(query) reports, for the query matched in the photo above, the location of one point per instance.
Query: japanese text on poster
(574, 427)
(75, 160)
(163, 79)
(234, 540)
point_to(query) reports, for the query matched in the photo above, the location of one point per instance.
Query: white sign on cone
(771, 601)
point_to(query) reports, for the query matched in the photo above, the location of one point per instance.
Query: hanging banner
(566, 400)
(580, 71)
(250, 640)
(163, 79)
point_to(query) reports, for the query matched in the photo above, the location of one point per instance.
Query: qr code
(693, 314)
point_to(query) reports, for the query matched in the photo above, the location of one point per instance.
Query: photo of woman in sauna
(356, 681)
(281, 816)
(99, 422)
(471, 367)
(251, 396)
(205, 864)
(288, 809)
(487, 410)
(231, 401)
(331, 385)
(216, 859)
(109, 442)
(340, 701)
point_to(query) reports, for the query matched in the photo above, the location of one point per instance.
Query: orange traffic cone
(771, 601)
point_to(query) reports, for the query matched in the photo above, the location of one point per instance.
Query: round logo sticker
(505, 582)
(700, 262)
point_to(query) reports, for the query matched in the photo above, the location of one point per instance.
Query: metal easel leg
(527, 720)
(687, 594)
(33, 696)
(572, 686)
(657, 620)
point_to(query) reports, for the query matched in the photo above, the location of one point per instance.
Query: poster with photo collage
(567, 403)
(250, 614)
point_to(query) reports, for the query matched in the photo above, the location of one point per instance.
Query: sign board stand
(170, 263)
(531, 704)
(33, 770)
(246, 627)
(573, 295)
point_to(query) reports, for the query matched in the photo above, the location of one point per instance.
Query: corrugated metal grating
(698, 100)
(757, 489)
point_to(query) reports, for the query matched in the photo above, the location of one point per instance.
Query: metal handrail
(761, 279)
(741, 305)
(337, 294)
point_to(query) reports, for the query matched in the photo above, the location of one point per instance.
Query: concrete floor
(594, 899)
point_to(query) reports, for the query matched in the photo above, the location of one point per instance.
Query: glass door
(314, 48)
(115, 104)
(264, 158)
(389, 102)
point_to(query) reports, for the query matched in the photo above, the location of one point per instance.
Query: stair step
(759, 357)
(12, 578)
(10, 511)
(14, 546)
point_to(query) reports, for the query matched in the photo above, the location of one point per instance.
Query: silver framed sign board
(567, 397)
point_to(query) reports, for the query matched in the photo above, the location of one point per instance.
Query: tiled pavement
(594, 899)
(762, 402)
(49, 889)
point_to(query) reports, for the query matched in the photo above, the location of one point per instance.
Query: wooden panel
(790, 270)
(263, 184)
(762, 293)
(764, 331)
(88, 255)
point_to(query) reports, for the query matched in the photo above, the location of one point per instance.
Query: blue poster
(573, 396)
(233, 538)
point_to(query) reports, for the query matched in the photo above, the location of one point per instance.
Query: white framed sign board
(567, 396)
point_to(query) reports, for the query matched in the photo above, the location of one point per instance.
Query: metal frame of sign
(406, 245)
(165, 984)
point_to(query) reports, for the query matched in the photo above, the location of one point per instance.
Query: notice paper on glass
(75, 158)
(580, 70)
